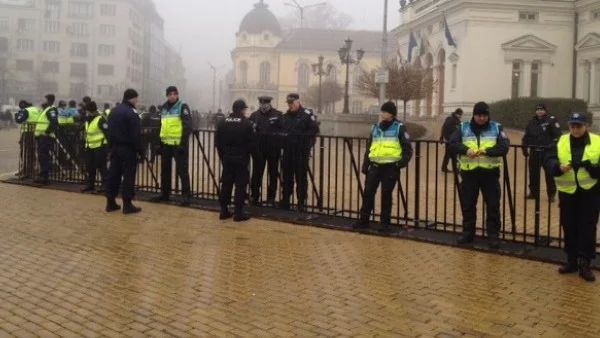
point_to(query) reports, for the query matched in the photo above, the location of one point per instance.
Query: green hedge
(516, 113)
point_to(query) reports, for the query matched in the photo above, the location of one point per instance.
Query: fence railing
(425, 197)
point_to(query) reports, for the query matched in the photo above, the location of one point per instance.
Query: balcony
(253, 86)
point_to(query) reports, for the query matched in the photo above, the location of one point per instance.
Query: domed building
(269, 61)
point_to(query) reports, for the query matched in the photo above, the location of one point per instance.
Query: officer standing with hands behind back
(574, 163)
(175, 130)
(482, 145)
(45, 134)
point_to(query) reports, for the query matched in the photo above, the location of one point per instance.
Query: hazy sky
(205, 29)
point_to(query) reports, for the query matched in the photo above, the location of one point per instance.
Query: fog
(205, 31)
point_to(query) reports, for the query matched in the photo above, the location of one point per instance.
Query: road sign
(382, 77)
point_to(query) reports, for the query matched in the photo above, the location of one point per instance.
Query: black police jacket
(542, 132)
(299, 129)
(268, 127)
(451, 124)
(235, 139)
(124, 129)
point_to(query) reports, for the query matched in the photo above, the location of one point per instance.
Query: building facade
(269, 61)
(492, 50)
(78, 48)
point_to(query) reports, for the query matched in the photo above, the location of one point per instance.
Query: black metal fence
(425, 197)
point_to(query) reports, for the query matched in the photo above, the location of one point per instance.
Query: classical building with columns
(492, 50)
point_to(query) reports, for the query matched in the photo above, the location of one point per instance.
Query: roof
(316, 39)
(260, 19)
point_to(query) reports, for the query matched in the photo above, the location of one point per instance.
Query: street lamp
(345, 54)
(295, 4)
(320, 72)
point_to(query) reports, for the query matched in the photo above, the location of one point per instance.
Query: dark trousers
(448, 155)
(45, 144)
(536, 162)
(488, 181)
(122, 170)
(181, 155)
(295, 168)
(579, 218)
(268, 156)
(27, 147)
(95, 162)
(387, 175)
(236, 173)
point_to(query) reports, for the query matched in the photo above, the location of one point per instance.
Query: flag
(412, 43)
(449, 37)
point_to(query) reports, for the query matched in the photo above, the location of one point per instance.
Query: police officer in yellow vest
(106, 111)
(388, 151)
(96, 149)
(574, 163)
(481, 145)
(45, 129)
(27, 117)
(175, 130)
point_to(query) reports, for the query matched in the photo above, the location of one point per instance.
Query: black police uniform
(451, 125)
(218, 118)
(124, 138)
(46, 145)
(268, 129)
(539, 135)
(181, 155)
(386, 174)
(299, 130)
(486, 180)
(26, 141)
(96, 159)
(236, 141)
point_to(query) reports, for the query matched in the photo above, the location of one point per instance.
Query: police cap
(239, 105)
(265, 99)
(578, 118)
(292, 97)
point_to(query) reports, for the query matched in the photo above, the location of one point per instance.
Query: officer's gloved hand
(181, 149)
(365, 169)
(525, 151)
(400, 165)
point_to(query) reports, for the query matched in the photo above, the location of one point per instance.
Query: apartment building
(79, 47)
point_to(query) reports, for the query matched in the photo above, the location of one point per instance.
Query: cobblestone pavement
(178, 272)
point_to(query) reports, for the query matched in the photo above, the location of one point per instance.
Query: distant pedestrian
(451, 125)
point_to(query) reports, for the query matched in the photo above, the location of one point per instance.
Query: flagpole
(384, 47)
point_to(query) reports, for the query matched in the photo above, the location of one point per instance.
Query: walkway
(178, 272)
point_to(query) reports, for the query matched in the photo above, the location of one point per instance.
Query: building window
(106, 50)
(78, 89)
(3, 44)
(50, 67)
(25, 25)
(51, 46)
(78, 29)
(107, 30)
(51, 26)
(535, 78)
(49, 86)
(108, 10)
(105, 90)
(106, 70)
(454, 75)
(332, 77)
(24, 65)
(265, 73)
(4, 25)
(52, 11)
(266, 36)
(243, 77)
(528, 16)
(25, 45)
(596, 15)
(79, 69)
(80, 9)
(79, 49)
(303, 76)
(357, 107)
(516, 79)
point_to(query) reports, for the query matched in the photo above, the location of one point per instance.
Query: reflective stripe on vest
(65, 117)
(94, 137)
(171, 125)
(43, 123)
(385, 145)
(33, 114)
(569, 182)
(487, 140)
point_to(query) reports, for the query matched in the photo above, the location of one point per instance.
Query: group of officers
(272, 139)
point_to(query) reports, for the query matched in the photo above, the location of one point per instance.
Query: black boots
(241, 217)
(111, 205)
(129, 208)
(225, 214)
(585, 270)
(570, 267)
(88, 188)
(465, 239)
(360, 224)
(186, 201)
(160, 199)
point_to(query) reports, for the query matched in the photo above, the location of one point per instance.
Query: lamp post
(345, 54)
(320, 72)
(302, 8)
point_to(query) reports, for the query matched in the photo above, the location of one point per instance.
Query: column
(594, 90)
(436, 89)
(526, 80)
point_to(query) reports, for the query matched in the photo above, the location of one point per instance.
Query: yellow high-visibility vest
(43, 123)
(171, 125)
(569, 182)
(94, 137)
(487, 139)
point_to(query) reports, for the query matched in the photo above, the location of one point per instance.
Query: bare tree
(407, 82)
(332, 93)
(324, 17)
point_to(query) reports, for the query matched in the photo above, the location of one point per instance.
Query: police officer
(481, 145)
(67, 133)
(218, 118)
(175, 130)
(124, 138)
(574, 162)
(299, 129)
(45, 130)
(388, 151)
(27, 117)
(542, 131)
(267, 121)
(106, 111)
(96, 153)
(451, 125)
(236, 141)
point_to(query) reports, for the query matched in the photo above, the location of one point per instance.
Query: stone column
(594, 89)
(434, 95)
(526, 80)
